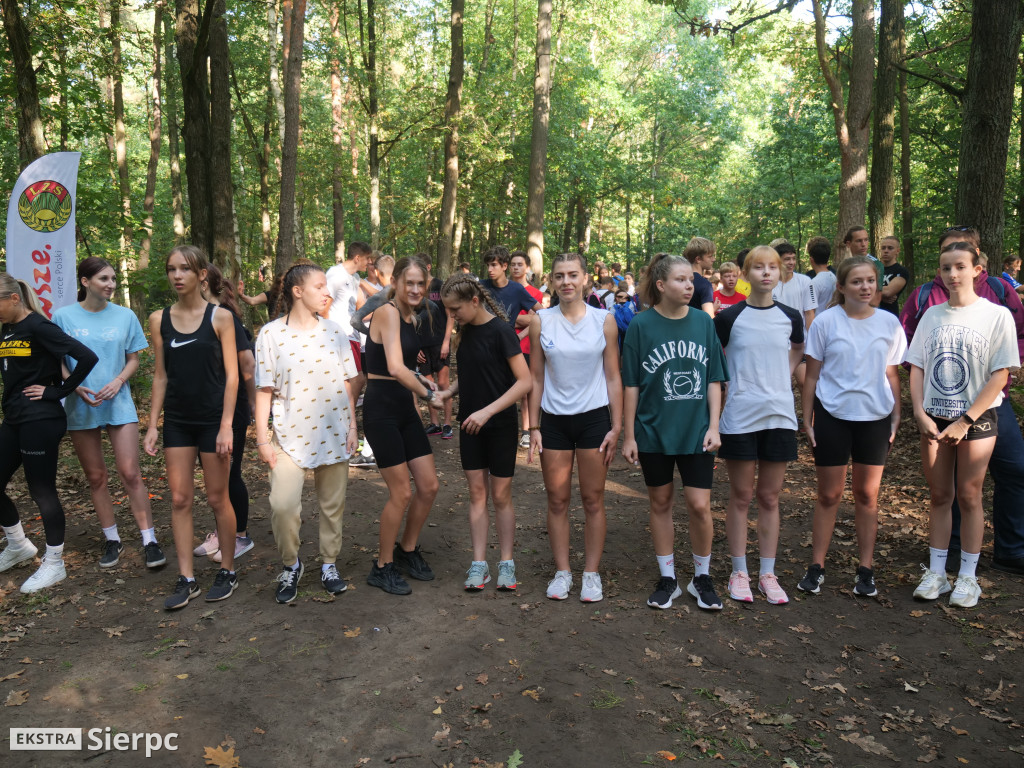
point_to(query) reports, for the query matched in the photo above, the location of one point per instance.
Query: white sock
(111, 533)
(54, 554)
(767, 565)
(15, 534)
(296, 566)
(667, 565)
(969, 563)
(701, 565)
(148, 536)
(937, 559)
(739, 564)
(325, 566)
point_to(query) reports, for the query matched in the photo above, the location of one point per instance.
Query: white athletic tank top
(574, 380)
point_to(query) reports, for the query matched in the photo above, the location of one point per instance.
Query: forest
(267, 131)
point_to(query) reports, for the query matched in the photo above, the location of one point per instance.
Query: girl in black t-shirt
(34, 422)
(493, 377)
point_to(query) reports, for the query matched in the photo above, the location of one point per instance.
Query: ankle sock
(111, 533)
(15, 534)
(767, 565)
(148, 536)
(701, 565)
(739, 564)
(969, 563)
(667, 565)
(937, 559)
(54, 553)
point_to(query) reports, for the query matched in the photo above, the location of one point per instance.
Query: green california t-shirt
(671, 362)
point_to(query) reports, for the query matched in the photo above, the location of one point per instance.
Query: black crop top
(376, 360)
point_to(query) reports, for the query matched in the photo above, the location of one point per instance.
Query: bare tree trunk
(906, 201)
(31, 142)
(987, 114)
(275, 75)
(629, 248)
(118, 144)
(853, 115)
(452, 107)
(337, 137)
(138, 293)
(582, 226)
(224, 252)
(173, 150)
(539, 139)
(266, 228)
(368, 31)
(62, 69)
(1020, 180)
(569, 224)
(294, 12)
(882, 209)
(460, 226)
(193, 49)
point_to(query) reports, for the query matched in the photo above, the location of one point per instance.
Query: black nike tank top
(195, 372)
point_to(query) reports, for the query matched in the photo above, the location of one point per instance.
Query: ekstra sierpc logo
(97, 739)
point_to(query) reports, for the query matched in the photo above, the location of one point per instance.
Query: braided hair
(463, 287)
(295, 276)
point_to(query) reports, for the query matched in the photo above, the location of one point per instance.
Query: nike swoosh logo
(8, 336)
(175, 343)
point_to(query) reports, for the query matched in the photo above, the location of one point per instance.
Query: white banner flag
(41, 229)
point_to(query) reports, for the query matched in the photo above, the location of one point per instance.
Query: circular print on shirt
(950, 374)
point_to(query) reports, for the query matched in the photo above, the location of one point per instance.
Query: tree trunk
(629, 247)
(452, 106)
(31, 142)
(275, 72)
(851, 118)
(138, 292)
(118, 144)
(224, 251)
(539, 139)
(173, 150)
(987, 113)
(294, 12)
(882, 209)
(368, 29)
(337, 137)
(906, 201)
(62, 69)
(266, 227)
(582, 226)
(1020, 179)
(570, 218)
(193, 47)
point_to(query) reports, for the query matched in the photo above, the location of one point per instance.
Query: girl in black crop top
(195, 383)
(392, 424)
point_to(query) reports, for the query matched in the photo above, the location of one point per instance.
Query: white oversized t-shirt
(854, 355)
(958, 348)
(344, 290)
(797, 293)
(824, 285)
(307, 371)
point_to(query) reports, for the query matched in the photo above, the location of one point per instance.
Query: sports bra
(376, 359)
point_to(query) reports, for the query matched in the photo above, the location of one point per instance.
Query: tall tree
(222, 236)
(452, 106)
(906, 201)
(996, 28)
(117, 143)
(539, 139)
(173, 133)
(337, 136)
(155, 120)
(882, 209)
(295, 14)
(31, 141)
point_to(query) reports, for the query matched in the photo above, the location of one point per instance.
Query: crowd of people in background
(685, 361)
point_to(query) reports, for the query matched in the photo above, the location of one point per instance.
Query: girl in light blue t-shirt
(104, 401)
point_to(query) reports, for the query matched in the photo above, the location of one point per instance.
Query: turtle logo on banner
(45, 206)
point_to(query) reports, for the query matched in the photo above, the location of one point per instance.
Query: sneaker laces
(477, 569)
(330, 573)
(286, 577)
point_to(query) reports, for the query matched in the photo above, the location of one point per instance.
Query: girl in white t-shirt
(763, 342)
(576, 383)
(960, 356)
(304, 372)
(851, 402)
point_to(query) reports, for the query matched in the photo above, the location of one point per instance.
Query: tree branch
(936, 49)
(952, 90)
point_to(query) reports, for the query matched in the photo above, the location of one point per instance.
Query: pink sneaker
(739, 587)
(242, 545)
(208, 547)
(768, 585)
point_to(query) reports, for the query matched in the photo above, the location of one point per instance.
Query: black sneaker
(288, 583)
(413, 563)
(111, 554)
(154, 556)
(184, 590)
(446, 432)
(702, 589)
(224, 584)
(389, 579)
(332, 581)
(664, 593)
(865, 586)
(812, 580)
(433, 430)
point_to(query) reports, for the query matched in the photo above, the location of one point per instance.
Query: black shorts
(986, 425)
(696, 469)
(578, 431)
(492, 448)
(201, 436)
(763, 445)
(392, 424)
(434, 362)
(867, 442)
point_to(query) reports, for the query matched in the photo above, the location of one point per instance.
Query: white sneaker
(560, 586)
(932, 585)
(14, 555)
(591, 592)
(49, 573)
(965, 593)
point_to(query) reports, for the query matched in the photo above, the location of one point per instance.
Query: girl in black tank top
(392, 424)
(196, 380)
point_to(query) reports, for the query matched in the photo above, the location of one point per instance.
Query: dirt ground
(446, 678)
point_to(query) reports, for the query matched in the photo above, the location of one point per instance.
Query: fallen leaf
(651, 654)
(441, 736)
(919, 614)
(258, 730)
(436, 711)
(664, 754)
(694, 661)
(459, 687)
(13, 675)
(474, 617)
(783, 719)
(802, 629)
(908, 688)
(352, 632)
(182, 677)
(532, 694)
(611, 672)
(958, 731)
(115, 631)
(16, 698)
(867, 743)
(222, 758)
(482, 678)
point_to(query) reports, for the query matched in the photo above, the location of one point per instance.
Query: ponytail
(222, 289)
(295, 276)
(658, 269)
(463, 287)
(9, 286)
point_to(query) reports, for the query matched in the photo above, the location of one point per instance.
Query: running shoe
(15, 555)
(242, 545)
(702, 589)
(591, 591)
(477, 575)
(433, 430)
(666, 590)
(111, 553)
(865, 586)
(739, 587)
(560, 586)
(359, 461)
(447, 433)
(965, 593)
(153, 555)
(224, 585)
(412, 563)
(332, 581)
(184, 590)
(507, 576)
(208, 547)
(389, 579)
(51, 572)
(288, 584)
(812, 580)
(524, 441)
(768, 586)
(933, 584)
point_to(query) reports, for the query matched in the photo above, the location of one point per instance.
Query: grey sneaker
(477, 575)
(507, 576)
(288, 584)
(224, 585)
(332, 581)
(15, 555)
(111, 554)
(363, 462)
(184, 590)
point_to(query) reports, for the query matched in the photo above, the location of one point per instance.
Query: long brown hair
(222, 289)
(463, 287)
(295, 276)
(659, 269)
(87, 269)
(846, 266)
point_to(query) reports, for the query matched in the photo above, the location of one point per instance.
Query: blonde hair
(761, 253)
(11, 286)
(728, 268)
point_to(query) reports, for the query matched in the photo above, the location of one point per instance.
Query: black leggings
(34, 445)
(237, 492)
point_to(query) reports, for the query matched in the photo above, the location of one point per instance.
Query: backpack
(998, 288)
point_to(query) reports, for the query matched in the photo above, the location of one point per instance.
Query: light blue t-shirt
(112, 334)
